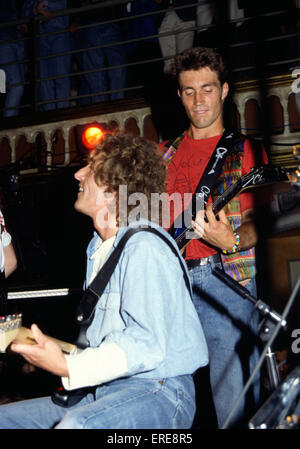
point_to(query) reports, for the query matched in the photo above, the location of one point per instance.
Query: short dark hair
(197, 58)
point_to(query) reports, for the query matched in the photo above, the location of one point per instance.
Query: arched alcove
(149, 130)
(58, 147)
(132, 127)
(294, 112)
(22, 149)
(253, 119)
(5, 151)
(275, 115)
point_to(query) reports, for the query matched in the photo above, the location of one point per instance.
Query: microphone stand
(271, 319)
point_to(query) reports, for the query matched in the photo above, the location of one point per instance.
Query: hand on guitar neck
(37, 348)
(45, 354)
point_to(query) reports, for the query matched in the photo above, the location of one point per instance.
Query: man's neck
(205, 133)
(107, 232)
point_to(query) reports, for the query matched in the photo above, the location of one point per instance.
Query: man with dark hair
(226, 241)
(144, 340)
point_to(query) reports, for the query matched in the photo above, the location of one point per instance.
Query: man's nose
(79, 175)
(199, 97)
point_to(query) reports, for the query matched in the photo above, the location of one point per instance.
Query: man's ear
(179, 93)
(225, 90)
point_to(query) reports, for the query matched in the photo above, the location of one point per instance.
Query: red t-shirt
(186, 169)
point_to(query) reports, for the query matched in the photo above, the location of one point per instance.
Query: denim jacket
(146, 310)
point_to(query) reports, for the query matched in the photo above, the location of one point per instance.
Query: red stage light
(91, 136)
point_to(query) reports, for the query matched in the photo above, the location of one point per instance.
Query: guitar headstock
(9, 328)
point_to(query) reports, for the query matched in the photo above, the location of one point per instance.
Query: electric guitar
(258, 176)
(11, 329)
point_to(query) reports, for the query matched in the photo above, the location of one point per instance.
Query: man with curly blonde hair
(145, 340)
(132, 168)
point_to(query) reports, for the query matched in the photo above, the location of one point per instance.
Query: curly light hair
(122, 159)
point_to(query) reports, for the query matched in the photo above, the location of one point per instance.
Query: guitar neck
(226, 197)
(24, 335)
(11, 329)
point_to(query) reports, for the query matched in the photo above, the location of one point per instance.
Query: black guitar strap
(208, 180)
(91, 296)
